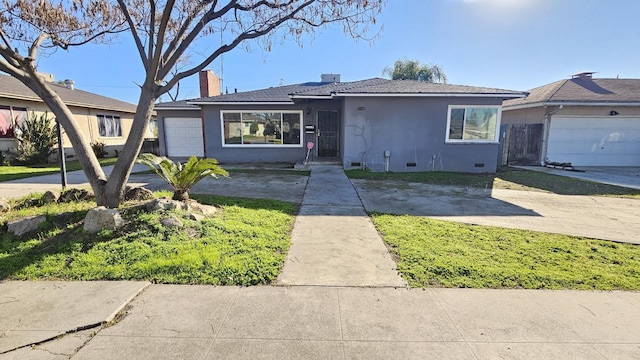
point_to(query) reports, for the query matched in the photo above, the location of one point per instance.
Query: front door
(328, 133)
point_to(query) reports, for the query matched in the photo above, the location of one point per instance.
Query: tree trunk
(180, 195)
(90, 165)
(115, 186)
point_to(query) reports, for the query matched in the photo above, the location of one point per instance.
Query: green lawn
(440, 253)
(244, 244)
(505, 178)
(20, 172)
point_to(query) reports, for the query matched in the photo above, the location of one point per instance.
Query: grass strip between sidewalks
(245, 243)
(8, 173)
(448, 254)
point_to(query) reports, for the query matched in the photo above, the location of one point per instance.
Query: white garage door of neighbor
(594, 141)
(183, 137)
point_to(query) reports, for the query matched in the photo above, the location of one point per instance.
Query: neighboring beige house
(101, 119)
(581, 120)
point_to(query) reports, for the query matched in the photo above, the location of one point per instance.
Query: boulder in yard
(166, 204)
(171, 222)
(195, 207)
(196, 217)
(101, 218)
(50, 197)
(4, 205)
(25, 225)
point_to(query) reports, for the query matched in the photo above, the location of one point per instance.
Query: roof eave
(68, 103)
(176, 108)
(570, 103)
(323, 97)
(240, 102)
(496, 95)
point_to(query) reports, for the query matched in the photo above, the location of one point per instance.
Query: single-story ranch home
(378, 124)
(102, 119)
(580, 121)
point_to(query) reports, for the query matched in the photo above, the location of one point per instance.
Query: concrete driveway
(588, 216)
(628, 176)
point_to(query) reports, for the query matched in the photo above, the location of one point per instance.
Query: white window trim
(109, 137)
(272, 146)
(496, 139)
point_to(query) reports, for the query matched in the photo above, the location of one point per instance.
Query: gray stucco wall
(413, 130)
(264, 154)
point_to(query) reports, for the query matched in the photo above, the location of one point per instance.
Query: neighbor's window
(262, 128)
(109, 126)
(473, 123)
(10, 116)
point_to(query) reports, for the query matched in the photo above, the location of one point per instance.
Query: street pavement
(335, 306)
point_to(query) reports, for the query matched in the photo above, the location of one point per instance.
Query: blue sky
(508, 44)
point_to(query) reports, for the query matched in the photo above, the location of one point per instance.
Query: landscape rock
(196, 217)
(4, 205)
(195, 207)
(101, 218)
(76, 195)
(26, 225)
(50, 197)
(138, 194)
(166, 204)
(171, 222)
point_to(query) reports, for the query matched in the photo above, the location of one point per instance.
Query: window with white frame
(473, 124)
(261, 128)
(10, 117)
(109, 126)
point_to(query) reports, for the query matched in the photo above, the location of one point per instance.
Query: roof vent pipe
(69, 84)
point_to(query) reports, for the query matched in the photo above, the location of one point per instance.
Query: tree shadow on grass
(59, 235)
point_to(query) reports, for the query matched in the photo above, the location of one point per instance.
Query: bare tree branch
(134, 32)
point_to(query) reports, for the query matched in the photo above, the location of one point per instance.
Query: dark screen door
(327, 133)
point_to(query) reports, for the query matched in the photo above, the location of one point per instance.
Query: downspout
(545, 132)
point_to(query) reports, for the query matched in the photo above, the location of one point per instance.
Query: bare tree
(406, 69)
(164, 32)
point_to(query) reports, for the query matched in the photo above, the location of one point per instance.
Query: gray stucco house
(379, 124)
(581, 120)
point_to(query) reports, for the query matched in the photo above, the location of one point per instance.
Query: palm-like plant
(182, 177)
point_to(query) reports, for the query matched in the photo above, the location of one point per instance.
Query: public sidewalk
(313, 322)
(334, 242)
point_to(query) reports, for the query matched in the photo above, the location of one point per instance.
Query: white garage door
(183, 137)
(594, 141)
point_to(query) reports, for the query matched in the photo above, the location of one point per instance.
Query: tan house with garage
(583, 120)
(102, 119)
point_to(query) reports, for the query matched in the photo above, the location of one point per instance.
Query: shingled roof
(581, 91)
(11, 88)
(369, 87)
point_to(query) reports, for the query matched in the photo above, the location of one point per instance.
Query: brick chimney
(209, 84)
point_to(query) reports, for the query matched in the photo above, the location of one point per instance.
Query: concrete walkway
(334, 242)
(265, 322)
